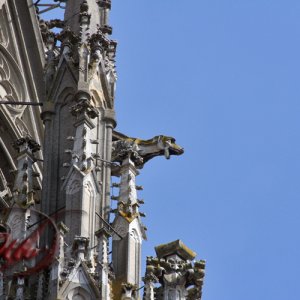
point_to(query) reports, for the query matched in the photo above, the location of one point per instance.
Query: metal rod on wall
(21, 103)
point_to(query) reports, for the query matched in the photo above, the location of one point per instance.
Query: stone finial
(63, 229)
(128, 291)
(80, 246)
(99, 41)
(69, 40)
(84, 13)
(83, 105)
(179, 277)
(26, 144)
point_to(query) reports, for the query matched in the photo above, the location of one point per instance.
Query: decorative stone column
(127, 245)
(102, 268)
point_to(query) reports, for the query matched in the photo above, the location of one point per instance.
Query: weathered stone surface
(69, 66)
(179, 278)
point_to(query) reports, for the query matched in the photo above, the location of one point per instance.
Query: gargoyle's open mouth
(176, 151)
(173, 151)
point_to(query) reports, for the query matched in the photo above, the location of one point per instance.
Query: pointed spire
(128, 222)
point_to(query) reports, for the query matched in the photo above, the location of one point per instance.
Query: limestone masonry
(62, 235)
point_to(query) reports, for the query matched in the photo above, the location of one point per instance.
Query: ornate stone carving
(23, 192)
(110, 63)
(98, 41)
(123, 149)
(179, 278)
(142, 151)
(69, 41)
(128, 210)
(26, 143)
(128, 291)
(12, 86)
(84, 106)
(80, 247)
(82, 63)
(84, 16)
(102, 48)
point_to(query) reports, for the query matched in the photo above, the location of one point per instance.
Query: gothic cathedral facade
(60, 235)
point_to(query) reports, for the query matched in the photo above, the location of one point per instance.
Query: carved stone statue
(142, 151)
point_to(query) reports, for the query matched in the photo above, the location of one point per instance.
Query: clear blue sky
(223, 78)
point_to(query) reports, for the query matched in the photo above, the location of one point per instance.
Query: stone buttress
(20, 213)
(79, 119)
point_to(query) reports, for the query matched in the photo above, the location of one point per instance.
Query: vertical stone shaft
(102, 267)
(128, 193)
(127, 250)
(80, 183)
(105, 6)
(110, 124)
(46, 184)
(20, 212)
(58, 264)
(78, 176)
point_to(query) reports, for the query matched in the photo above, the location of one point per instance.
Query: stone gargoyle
(142, 151)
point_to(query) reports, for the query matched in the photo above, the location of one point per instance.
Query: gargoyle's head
(144, 150)
(168, 144)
